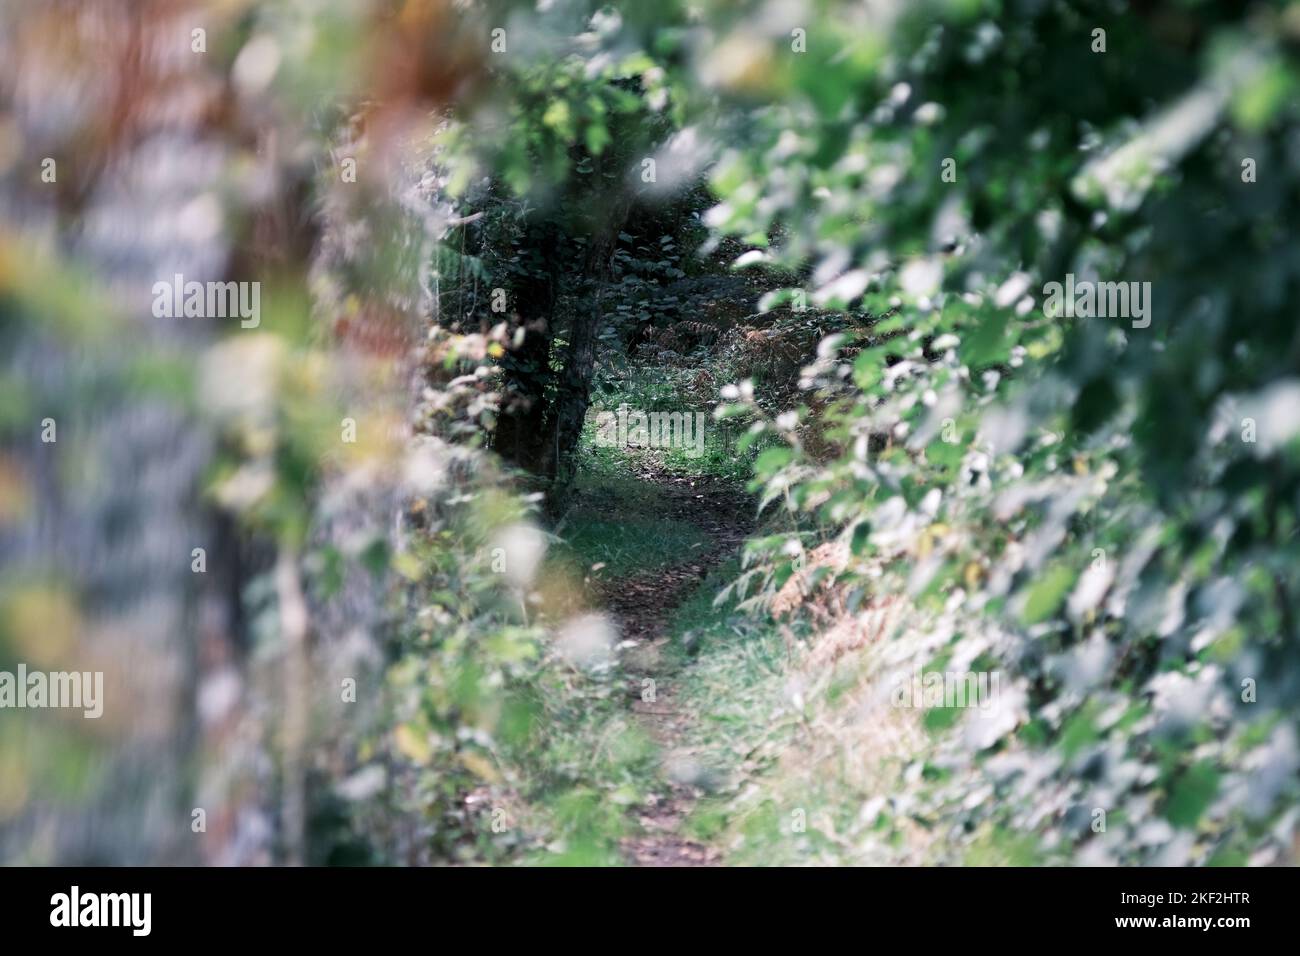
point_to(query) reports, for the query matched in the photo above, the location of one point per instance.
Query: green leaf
(988, 343)
(869, 367)
(1097, 401)
(772, 459)
(1047, 594)
(944, 455)
(861, 541)
(1192, 795)
(597, 138)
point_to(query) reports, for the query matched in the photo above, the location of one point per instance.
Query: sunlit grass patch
(806, 754)
(716, 454)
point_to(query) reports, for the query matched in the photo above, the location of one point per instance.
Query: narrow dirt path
(643, 606)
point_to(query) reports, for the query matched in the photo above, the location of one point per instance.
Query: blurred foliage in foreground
(1075, 503)
(1104, 510)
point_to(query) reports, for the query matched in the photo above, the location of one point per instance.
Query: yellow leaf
(44, 623)
(412, 744)
(480, 766)
(408, 566)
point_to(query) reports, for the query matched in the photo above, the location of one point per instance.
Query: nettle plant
(1090, 488)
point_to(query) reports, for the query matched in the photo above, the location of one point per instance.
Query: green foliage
(1076, 489)
(851, 246)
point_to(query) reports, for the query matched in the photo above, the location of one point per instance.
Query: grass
(796, 776)
(619, 521)
(592, 762)
(718, 459)
(663, 389)
(806, 764)
(590, 759)
(732, 670)
(801, 763)
(628, 546)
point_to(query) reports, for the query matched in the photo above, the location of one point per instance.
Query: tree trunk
(573, 391)
(524, 424)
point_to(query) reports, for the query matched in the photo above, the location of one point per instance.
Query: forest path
(643, 605)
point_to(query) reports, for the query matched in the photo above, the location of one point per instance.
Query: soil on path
(643, 606)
